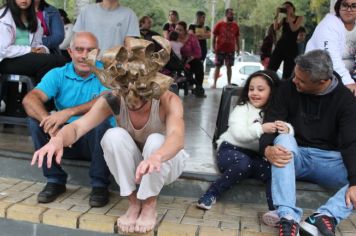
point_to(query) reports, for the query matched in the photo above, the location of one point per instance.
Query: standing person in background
(202, 32)
(286, 48)
(68, 33)
(302, 33)
(145, 28)
(21, 48)
(336, 33)
(110, 22)
(267, 46)
(170, 26)
(191, 54)
(52, 25)
(225, 43)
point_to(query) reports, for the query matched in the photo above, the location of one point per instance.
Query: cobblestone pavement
(176, 215)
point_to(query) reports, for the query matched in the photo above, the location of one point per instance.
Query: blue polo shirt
(68, 89)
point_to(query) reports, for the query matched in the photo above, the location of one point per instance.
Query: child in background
(176, 45)
(237, 155)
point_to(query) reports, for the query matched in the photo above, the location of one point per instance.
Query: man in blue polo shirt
(74, 90)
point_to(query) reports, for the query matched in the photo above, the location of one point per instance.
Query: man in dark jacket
(323, 113)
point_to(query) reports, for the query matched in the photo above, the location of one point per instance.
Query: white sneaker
(271, 218)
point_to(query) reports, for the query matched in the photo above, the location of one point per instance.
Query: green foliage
(253, 16)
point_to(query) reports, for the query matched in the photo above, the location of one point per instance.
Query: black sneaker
(99, 197)
(206, 201)
(318, 224)
(288, 228)
(50, 192)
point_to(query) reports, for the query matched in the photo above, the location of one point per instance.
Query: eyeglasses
(345, 6)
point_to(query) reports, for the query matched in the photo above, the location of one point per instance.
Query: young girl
(237, 155)
(21, 48)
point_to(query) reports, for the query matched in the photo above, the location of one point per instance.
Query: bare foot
(147, 219)
(127, 222)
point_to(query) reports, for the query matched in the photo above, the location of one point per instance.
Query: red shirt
(227, 34)
(40, 16)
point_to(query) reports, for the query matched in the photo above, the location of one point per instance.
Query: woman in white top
(21, 48)
(336, 33)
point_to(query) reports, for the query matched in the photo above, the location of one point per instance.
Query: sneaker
(288, 228)
(99, 197)
(206, 201)
(318, 224)
(271, 218)
(50, 192)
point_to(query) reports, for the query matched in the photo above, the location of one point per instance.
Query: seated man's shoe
(50, 192)
(99, 197)
(318, 224)
(288, 228)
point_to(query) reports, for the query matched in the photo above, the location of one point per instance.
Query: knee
(114, 136)
(287, 141)
(153, 142)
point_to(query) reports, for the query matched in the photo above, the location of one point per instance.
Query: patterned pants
(237, 164)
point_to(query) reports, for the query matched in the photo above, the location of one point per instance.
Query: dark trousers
(284, 53)
(237, 164)
(197, 69)
(86, 148)
(34, 65)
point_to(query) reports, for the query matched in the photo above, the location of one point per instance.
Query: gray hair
(317, 64)
(82, 33)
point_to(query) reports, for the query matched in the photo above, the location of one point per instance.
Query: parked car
(242, 57)
(240, 72)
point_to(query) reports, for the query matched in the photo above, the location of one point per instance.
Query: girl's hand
(281, 127)
(269, 128)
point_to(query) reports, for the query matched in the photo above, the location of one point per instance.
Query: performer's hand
(153, 163)
(53, 148)
(351, 197)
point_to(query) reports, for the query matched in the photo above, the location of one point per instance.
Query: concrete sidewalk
(176, 215)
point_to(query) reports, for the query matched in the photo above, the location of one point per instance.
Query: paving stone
(195, 221)
(346, 226)
(251, 233)
(21, 186)
(4, 186)
(35, 188)
(31, 200)
(194, 212)
(3, 208)
(101, 210)
(61, 218)
(174, 205)
(218, 208)
(185, 200)
(210, 231)
(81, 209)
(123, 204)
(97, 222)
(165, 199)
(268, 229)
(115, 212)
(174, 229)
(81, 193)
(238, 211)
(230, 225)
(221, 217)
(10, 181)
(17, 196)
(57, 205)
(250, 224)
(174, 215)
(71, 189)
(25, 213)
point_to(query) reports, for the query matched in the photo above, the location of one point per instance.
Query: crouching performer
(147, 147)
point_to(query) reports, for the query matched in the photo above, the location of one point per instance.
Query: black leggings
(285, 54)
(34, 65)
(197, 69)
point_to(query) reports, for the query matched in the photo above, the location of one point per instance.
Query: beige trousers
(123, 156)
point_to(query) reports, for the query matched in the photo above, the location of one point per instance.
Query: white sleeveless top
(153, 125)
